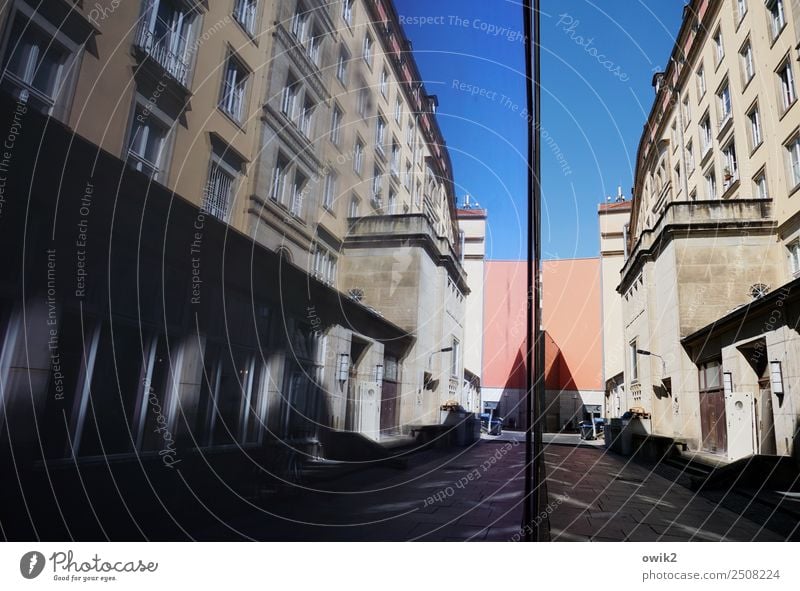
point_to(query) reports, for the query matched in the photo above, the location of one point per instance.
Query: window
(719, 46)
(690, 157)
(777, 18)
(307, 117)
(701, 81)
(407, 177)
(454, 359)
(279, 175)
(301, 23)
(794, 161)
(384, 82)
(34, 66)
(794, 257)
(352, 211)
(711, 185)
(731, 170)
(748, 66)
(367, 52)
(724, 102)
(164, 35)
(324, 266)
(754, 117)
(687, 112)
(363, 100)
(693, 195)
(398, 110)
(634, 360)
(347, 11)
(290, 96)
(233, 88)
(298, 193)
(391, 203)
(314, 47)
(705, 134)
(760, 182)
(678, 177)
(341, 66)
(410, 132)
(380, 133)
(377, 184)
(395, 160)
(741, 9)
(711, 376)
(329, 193)
(336, 125)
(358, 157)
(147, 142)
(219, 190)
(244, 11)
(786, 79)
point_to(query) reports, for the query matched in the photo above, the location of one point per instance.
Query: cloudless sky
(471, 54)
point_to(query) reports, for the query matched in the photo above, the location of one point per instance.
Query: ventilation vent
(356, 294)
(758, 290)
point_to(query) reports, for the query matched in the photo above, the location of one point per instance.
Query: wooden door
(713, 422)
(389, 408)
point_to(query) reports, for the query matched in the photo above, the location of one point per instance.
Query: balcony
(166, 47)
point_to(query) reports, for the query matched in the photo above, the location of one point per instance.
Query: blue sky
(598, 58)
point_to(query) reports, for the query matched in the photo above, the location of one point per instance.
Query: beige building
(713, 235)
(300, 125)
(613, 219)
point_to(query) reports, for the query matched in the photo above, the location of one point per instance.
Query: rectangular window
(290, 96)
(363, 100)
(687, 112)
(398, 110)
(300, 24)
(33, 67)
(705, 134)
(233, 89)
(336, 125)
(731, 170)
(410, 133)
(244, 11)
(395, 160)
(711, 376)
(298, 193)
(748, 65)
(794, 257)
(307, 117)
(164, 33)
(711, 185)
(407, 177)
(777, 18)
(634, 360)
(724, 103)
(719, 46)
(701, 81)
(353, 209)
(367, 49)
(219, 190)
(754, 117)
(377, 185)
(341, 66)
(330, 190)
(391, 202)
(760, 182)
(347, 11)
(690, 157)
(380, 133)
(786, 81)
(314, 47)
(147, 142)
(384, 82)
(454, 359)
(279, 176)
(793, 149)
(358, 157)
(741, 9)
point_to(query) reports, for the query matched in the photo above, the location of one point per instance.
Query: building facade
(302, 276)
(713, 233)
(571, 309)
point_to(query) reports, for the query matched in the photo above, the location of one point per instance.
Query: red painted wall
(571, 318)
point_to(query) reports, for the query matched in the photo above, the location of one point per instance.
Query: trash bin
(587, 432)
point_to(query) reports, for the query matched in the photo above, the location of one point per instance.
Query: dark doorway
(713, 422)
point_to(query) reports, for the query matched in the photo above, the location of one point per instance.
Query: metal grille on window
(218, 192)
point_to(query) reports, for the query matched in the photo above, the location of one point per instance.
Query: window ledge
(789, 108)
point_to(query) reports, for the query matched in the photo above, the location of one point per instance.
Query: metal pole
(534, 354)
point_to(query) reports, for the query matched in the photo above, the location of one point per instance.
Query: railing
(168, 50)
